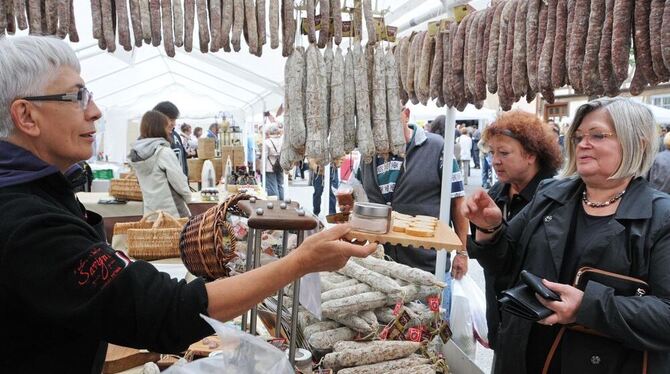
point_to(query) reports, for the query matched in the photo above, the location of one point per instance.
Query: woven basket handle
(167, 221)
(146, 217)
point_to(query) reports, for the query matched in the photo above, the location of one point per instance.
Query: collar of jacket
(634, 204)
(418, 138)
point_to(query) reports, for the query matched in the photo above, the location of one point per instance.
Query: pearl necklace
(596, 204)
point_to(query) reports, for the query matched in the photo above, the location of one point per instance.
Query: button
(259, 211)
(595, 360)
(548, 218)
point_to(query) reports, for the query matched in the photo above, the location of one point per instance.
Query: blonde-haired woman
(601, 214)
(164, 185)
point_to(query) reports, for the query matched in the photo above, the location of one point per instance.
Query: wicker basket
(206, 148)
(127, 188)
(207, 242)
(146, 222)
(159, 241)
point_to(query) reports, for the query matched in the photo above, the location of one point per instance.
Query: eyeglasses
(593, 138)
(83, 96)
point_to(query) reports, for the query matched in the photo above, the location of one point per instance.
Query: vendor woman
(64, 292)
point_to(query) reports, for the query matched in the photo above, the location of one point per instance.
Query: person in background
(163, 185)
(317, 176)
(486, 161)
(601, 214)
(661, 139)
(556, 129)
(193, 141)
(659, 174)
(523, 152)
(213, 133)
(172, 113)
(63, 287)
(476, 136)
(274, 175)
(250, 151)
(186, 140)
(465, 143)
(413, 186)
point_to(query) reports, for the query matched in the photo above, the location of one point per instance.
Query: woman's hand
(481, 210)
(326, 252)
(565, 311)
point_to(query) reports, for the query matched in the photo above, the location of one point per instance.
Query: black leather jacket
(636, 243)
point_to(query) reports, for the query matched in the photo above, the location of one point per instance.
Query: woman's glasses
(593, 137)
(83, 96)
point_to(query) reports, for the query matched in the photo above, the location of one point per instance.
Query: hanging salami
(349, 103)
(394, 125)
(135, 20)
(558, 72)
(656, 35)
(168, 29)
(288, 27)
(336, 12)
(274, 24)
(590, 75)
(544, 68)
(379, 126)
(107, 25)
(324, 32)
(238, 25)
(295, 70)
(363, 127)
(580, 28)
(494, 45)
(315, 148)
(189, 24)
(519, 69)
(214, 25)
(145, 17)
(605, 67)
(337, 138)
(437, 68)
(178, 13)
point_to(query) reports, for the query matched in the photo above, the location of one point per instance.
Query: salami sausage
(35, 17)
(336, 12)
(72, 32)
(509, 53)
(363, 129)
(447, 70)
(503, 94)
(63, 9)
(215, 24)
(590, 75)
(580, 28)
(20, 13)
(189, 24)
(51, 16)
(485, 46)
(292, 91)
(665, 35)
(349, 103)
(136, 21)
(328, 58)
(238, 25)
(296, 70)
(123, 25)
(638, 83)
(558, 59)
(168, 28)
(541, 33)
(421, 93)
(436, 68)
(311, 24)
(108, 25)
(261, 22)
(11, 23)
(544, 71)
(324, 32)
(3, 17)
(203, 25)
(394, 126)
(655, 34)
(337, 108)
(274, 24)
(288, 27)
(568, 31)
(605, 67)
(641, 15)
(470, 52)
(358, 20)
(411, 62)
(494, 43)
(402, 94)
(379, 126)
(427, 52)
(369, 21)
(145, 16)
(227, 23)
(457, 48)
(155, 8)
(404, 60)
(519, 70)
(316, 149)
(178, 14)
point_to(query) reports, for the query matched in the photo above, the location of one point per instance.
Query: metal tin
(372, 210)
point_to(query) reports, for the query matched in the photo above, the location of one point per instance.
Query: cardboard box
(238, 156)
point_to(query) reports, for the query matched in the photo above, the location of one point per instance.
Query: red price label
(385, 333)
(414, 334)
(397, 308)
(434, 303)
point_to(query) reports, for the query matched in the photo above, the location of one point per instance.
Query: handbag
(276, 167)
(623, 285)
(521, 301)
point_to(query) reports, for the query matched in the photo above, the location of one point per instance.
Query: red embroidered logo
(98, 268)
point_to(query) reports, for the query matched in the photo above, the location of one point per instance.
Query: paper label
(434, 303)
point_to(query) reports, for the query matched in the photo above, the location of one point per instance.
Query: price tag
(415, 334)
(398, 307)
(385, 333)
(434, 303)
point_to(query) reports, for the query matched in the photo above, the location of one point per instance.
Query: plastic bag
(468, 315)
(241, 353)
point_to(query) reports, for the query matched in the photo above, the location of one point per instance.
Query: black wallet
(521, 301)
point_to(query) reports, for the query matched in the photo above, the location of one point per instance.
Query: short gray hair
(635, 130)
(27, 65)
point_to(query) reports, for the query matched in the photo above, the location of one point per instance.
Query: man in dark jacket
(64, 292)
(172, 113)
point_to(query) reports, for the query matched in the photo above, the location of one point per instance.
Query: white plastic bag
(241, 353)
(468, 315)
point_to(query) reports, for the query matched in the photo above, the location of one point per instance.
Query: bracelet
(491, 230)
(462, 253)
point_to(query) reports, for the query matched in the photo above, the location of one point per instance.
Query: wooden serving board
(201, 349)
(120, 358)
(445, 238)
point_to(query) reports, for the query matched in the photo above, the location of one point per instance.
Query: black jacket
(637, 243)
(65, 294)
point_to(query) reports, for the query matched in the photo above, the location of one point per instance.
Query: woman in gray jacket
(604, 215)
(164, 185)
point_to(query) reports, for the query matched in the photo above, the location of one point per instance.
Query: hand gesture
(481, 210)
(326, 252)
